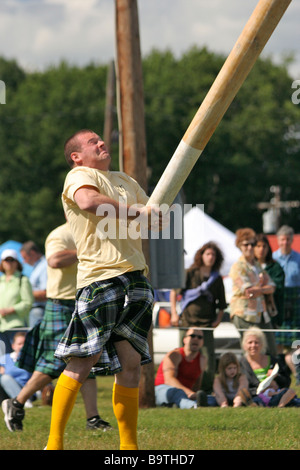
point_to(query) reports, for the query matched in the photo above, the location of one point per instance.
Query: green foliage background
(255, 146)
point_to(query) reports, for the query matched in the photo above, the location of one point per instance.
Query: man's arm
(62, 259)
(203, 367)
(88, 198)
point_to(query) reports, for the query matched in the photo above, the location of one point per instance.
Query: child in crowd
(230, 385)
(280, 397)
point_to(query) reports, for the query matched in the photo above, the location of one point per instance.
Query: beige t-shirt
(61, 283)
(101, 251)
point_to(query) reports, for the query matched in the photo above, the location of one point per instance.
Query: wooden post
(131, 107)
(236, 68)
(131, 90)
(109, 106)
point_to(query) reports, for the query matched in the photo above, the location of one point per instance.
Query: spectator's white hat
(9, 253)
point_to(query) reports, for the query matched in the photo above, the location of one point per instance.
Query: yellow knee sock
(63, 401)
(125, 406)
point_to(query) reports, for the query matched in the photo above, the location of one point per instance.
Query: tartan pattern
(109, 311)
(42, 340)
(292, 320)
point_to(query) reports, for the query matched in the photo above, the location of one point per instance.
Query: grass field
(165, 428)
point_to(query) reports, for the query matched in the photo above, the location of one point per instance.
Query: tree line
(255, 146)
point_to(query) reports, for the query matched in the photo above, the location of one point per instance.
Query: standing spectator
(203, 301)
(249, 285)
(38, 278)
(289, 260)
(15, 295)
(179, 376)
(263, 254)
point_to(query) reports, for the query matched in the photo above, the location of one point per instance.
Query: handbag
(270, 305)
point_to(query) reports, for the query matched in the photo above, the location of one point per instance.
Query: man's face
(93, 153)
(194, 339)
(285, 244)
(28, 257)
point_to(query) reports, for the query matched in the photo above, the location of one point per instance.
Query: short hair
(285, 230)
(19, 333)
(198, 260)
(259, 334)
(30, 246)
(72, 144)
(244, 234)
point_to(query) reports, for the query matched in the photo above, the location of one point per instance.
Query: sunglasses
(10, 260)
(196, 336)
(249, 244)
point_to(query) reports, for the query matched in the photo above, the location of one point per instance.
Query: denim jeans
(166, 395)
(10, 385)
(35, 316)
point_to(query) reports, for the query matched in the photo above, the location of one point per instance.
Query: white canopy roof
(200, 228)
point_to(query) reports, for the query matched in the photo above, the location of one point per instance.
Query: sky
(42, 33)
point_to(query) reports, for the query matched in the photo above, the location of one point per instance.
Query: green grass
(165, 428)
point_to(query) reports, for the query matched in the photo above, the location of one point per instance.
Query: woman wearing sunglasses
(250, 283)
(15, 293)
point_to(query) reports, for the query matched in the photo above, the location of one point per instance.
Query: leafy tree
(255, 146)
(46, 108)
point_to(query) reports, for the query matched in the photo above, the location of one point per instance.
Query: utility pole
(133, 136)
(272, 216)
(131, 93)
(109, 106)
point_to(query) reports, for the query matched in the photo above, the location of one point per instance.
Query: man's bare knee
(79, 367)
(130, 361)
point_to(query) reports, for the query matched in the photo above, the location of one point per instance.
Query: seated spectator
(231, 386)
(12, 379)
(179, 376)
(257, 366)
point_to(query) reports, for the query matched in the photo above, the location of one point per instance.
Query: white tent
(200, 228)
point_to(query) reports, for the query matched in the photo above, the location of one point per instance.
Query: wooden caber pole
(237, 66)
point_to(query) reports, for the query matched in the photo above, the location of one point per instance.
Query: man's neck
(190, 355)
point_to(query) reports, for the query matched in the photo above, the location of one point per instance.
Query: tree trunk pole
(131, 106)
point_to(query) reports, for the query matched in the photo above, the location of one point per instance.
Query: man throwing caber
(113, 311)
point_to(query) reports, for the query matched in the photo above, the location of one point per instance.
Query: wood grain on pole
(237, 66)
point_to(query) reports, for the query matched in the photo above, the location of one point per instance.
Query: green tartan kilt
(41, 341)
(291, 319)
(106, 312)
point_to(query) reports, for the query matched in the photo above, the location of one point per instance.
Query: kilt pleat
(42, 340)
